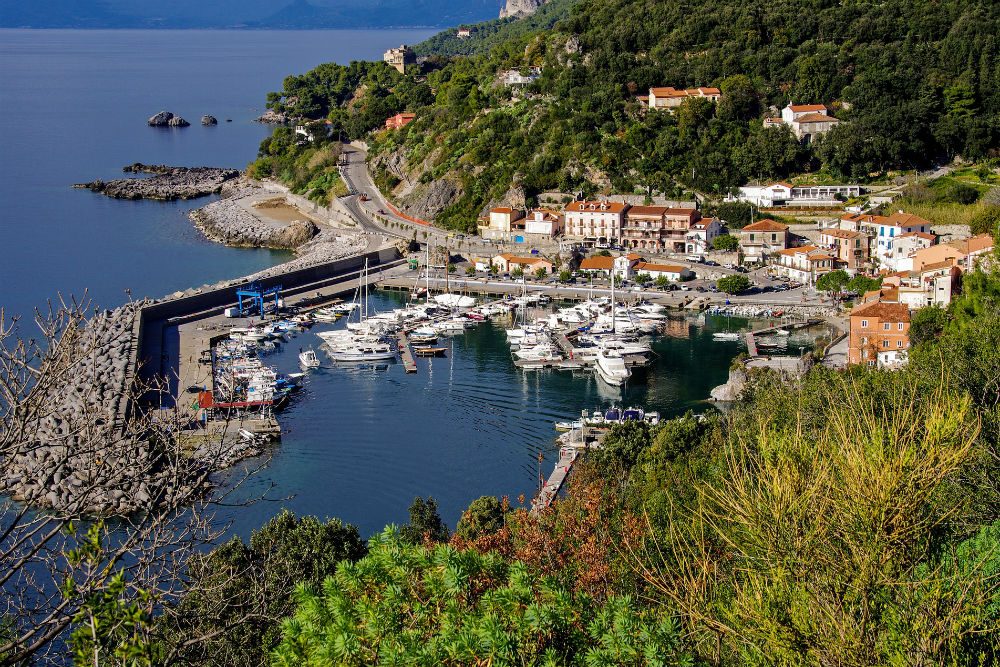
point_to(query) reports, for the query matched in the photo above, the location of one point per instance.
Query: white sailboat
(361, 342)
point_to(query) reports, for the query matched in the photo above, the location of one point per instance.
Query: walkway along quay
(573, 443)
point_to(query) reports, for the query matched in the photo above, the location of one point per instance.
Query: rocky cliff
(516, 8)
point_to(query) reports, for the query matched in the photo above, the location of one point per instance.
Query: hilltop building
(399, 121)
(400, 58)
(785, 194)
(807, 121)
(670, 98)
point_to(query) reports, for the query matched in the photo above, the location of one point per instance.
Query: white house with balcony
(892, 228)
(595, 222)
(780, 194)
(805, 264)
(807, 121)
(701, 234)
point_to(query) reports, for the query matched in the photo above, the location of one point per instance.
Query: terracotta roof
(899, 219)
(647, 210)
(821, 257)
(816, 118)
(773, 121)
(947, 264)
(795, 251)
(868, 219)
(766, 225)
(782, 184)
(922, 235)
(681, 211)
(797, 108)
(895, 312)
(633, 257)
(599, 263)
(842, 233)
(661, 268)
(974, 244)
(502, 209)
(595, 206)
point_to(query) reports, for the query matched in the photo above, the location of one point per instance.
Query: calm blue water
(359, 443)
(73, 108)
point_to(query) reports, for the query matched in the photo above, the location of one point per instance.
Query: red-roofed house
(655, 270)
(595, 222)
(849, 247)
(399, 121)
(670, 98)
(507, 262)
(501, 225)
(880, 333)
(962, 254)
(699, 238)
(658, 228)
(805, 264)
(807, 120)
(542, 222)
(762, 238)
(904, 248)
(894, 226)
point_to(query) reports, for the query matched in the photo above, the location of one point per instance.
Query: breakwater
(166, 183)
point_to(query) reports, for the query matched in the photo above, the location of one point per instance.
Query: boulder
(209, 120)
(161, 119)
(177, 121)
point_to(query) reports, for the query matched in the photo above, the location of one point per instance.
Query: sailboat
(360, 342)
(726, 335)
(610, 363)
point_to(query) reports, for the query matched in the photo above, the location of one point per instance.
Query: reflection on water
(361, 442)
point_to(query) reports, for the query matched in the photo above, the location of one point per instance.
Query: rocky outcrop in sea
(166, 184)
(272, 117)
(162, 119)
(209, 120)
(226, 221)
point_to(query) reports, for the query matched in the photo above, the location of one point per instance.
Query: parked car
(694, 258)
(709, 262)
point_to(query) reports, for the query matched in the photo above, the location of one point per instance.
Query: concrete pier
(406, 353)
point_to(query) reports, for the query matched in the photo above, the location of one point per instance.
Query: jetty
(573, 443)
(406, 353)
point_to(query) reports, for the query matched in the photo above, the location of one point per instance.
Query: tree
(470, 271)
(986, 221)
(860, 284)
(662, 281)
(733, 284)
(425, 523)
(416, 605)
(726, 242)
(927, 324)
(565, 276)
(238, 593)
(834, 281)
(643, 278)
(484, 516)
(735, 214)
(452, 268)
(540, 273)
(517, 272)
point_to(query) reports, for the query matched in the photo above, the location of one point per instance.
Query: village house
(595, 222)
(399, 121)
(464, 33)
(507, 263)
(501, 224)
(880, 332)
(805, 264)
(621, 265)
(658, 228)
(762, 238)
(904, 248)
(781, 194)
(543, 223)
(807, 121)
(400, 58)
(849, 248)
(896, 225)
(699, 238)
(934, 285)
(670, 98)
(672, 272)
(963, 253)
(515, 78)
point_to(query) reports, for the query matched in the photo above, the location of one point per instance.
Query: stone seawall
(225, 221)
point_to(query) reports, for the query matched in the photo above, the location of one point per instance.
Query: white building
(543, 223)
(904, 247)
(513, 78)
(807, 121)
(701, 234)
(805, 264)
(786, 194)
(671, 272)
(501, 225)
(889, 229)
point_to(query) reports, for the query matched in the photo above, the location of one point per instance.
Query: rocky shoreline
(166, 183)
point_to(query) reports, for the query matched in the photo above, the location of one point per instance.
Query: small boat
(430, 351)
(782, 332)
(308, 358)
(726, 336)
(569, 426)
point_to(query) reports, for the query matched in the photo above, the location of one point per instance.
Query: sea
(359, 443)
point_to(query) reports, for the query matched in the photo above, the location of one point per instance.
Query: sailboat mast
(427, 272)
(614, 326)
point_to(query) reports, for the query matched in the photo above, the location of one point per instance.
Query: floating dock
(406, 353)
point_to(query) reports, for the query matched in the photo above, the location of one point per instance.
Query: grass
(942, 213)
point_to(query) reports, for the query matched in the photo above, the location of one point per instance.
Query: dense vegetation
(915, 83)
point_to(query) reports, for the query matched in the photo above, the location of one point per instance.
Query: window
(885, 343)
(864, 340)
(900, 325)
(886, 326)
(751, 237)
(899, 343)
(871, 364)
(864, 324)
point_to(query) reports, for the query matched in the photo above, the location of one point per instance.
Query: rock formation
(519, 8)
(734, 386)
(161, 119)
(209, 120)
(177, 121)
(272, 117)
(167, 184)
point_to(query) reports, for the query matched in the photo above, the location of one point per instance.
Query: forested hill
(914, 83)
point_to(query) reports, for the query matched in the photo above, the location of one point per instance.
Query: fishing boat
(429, 351)
(308, 358)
